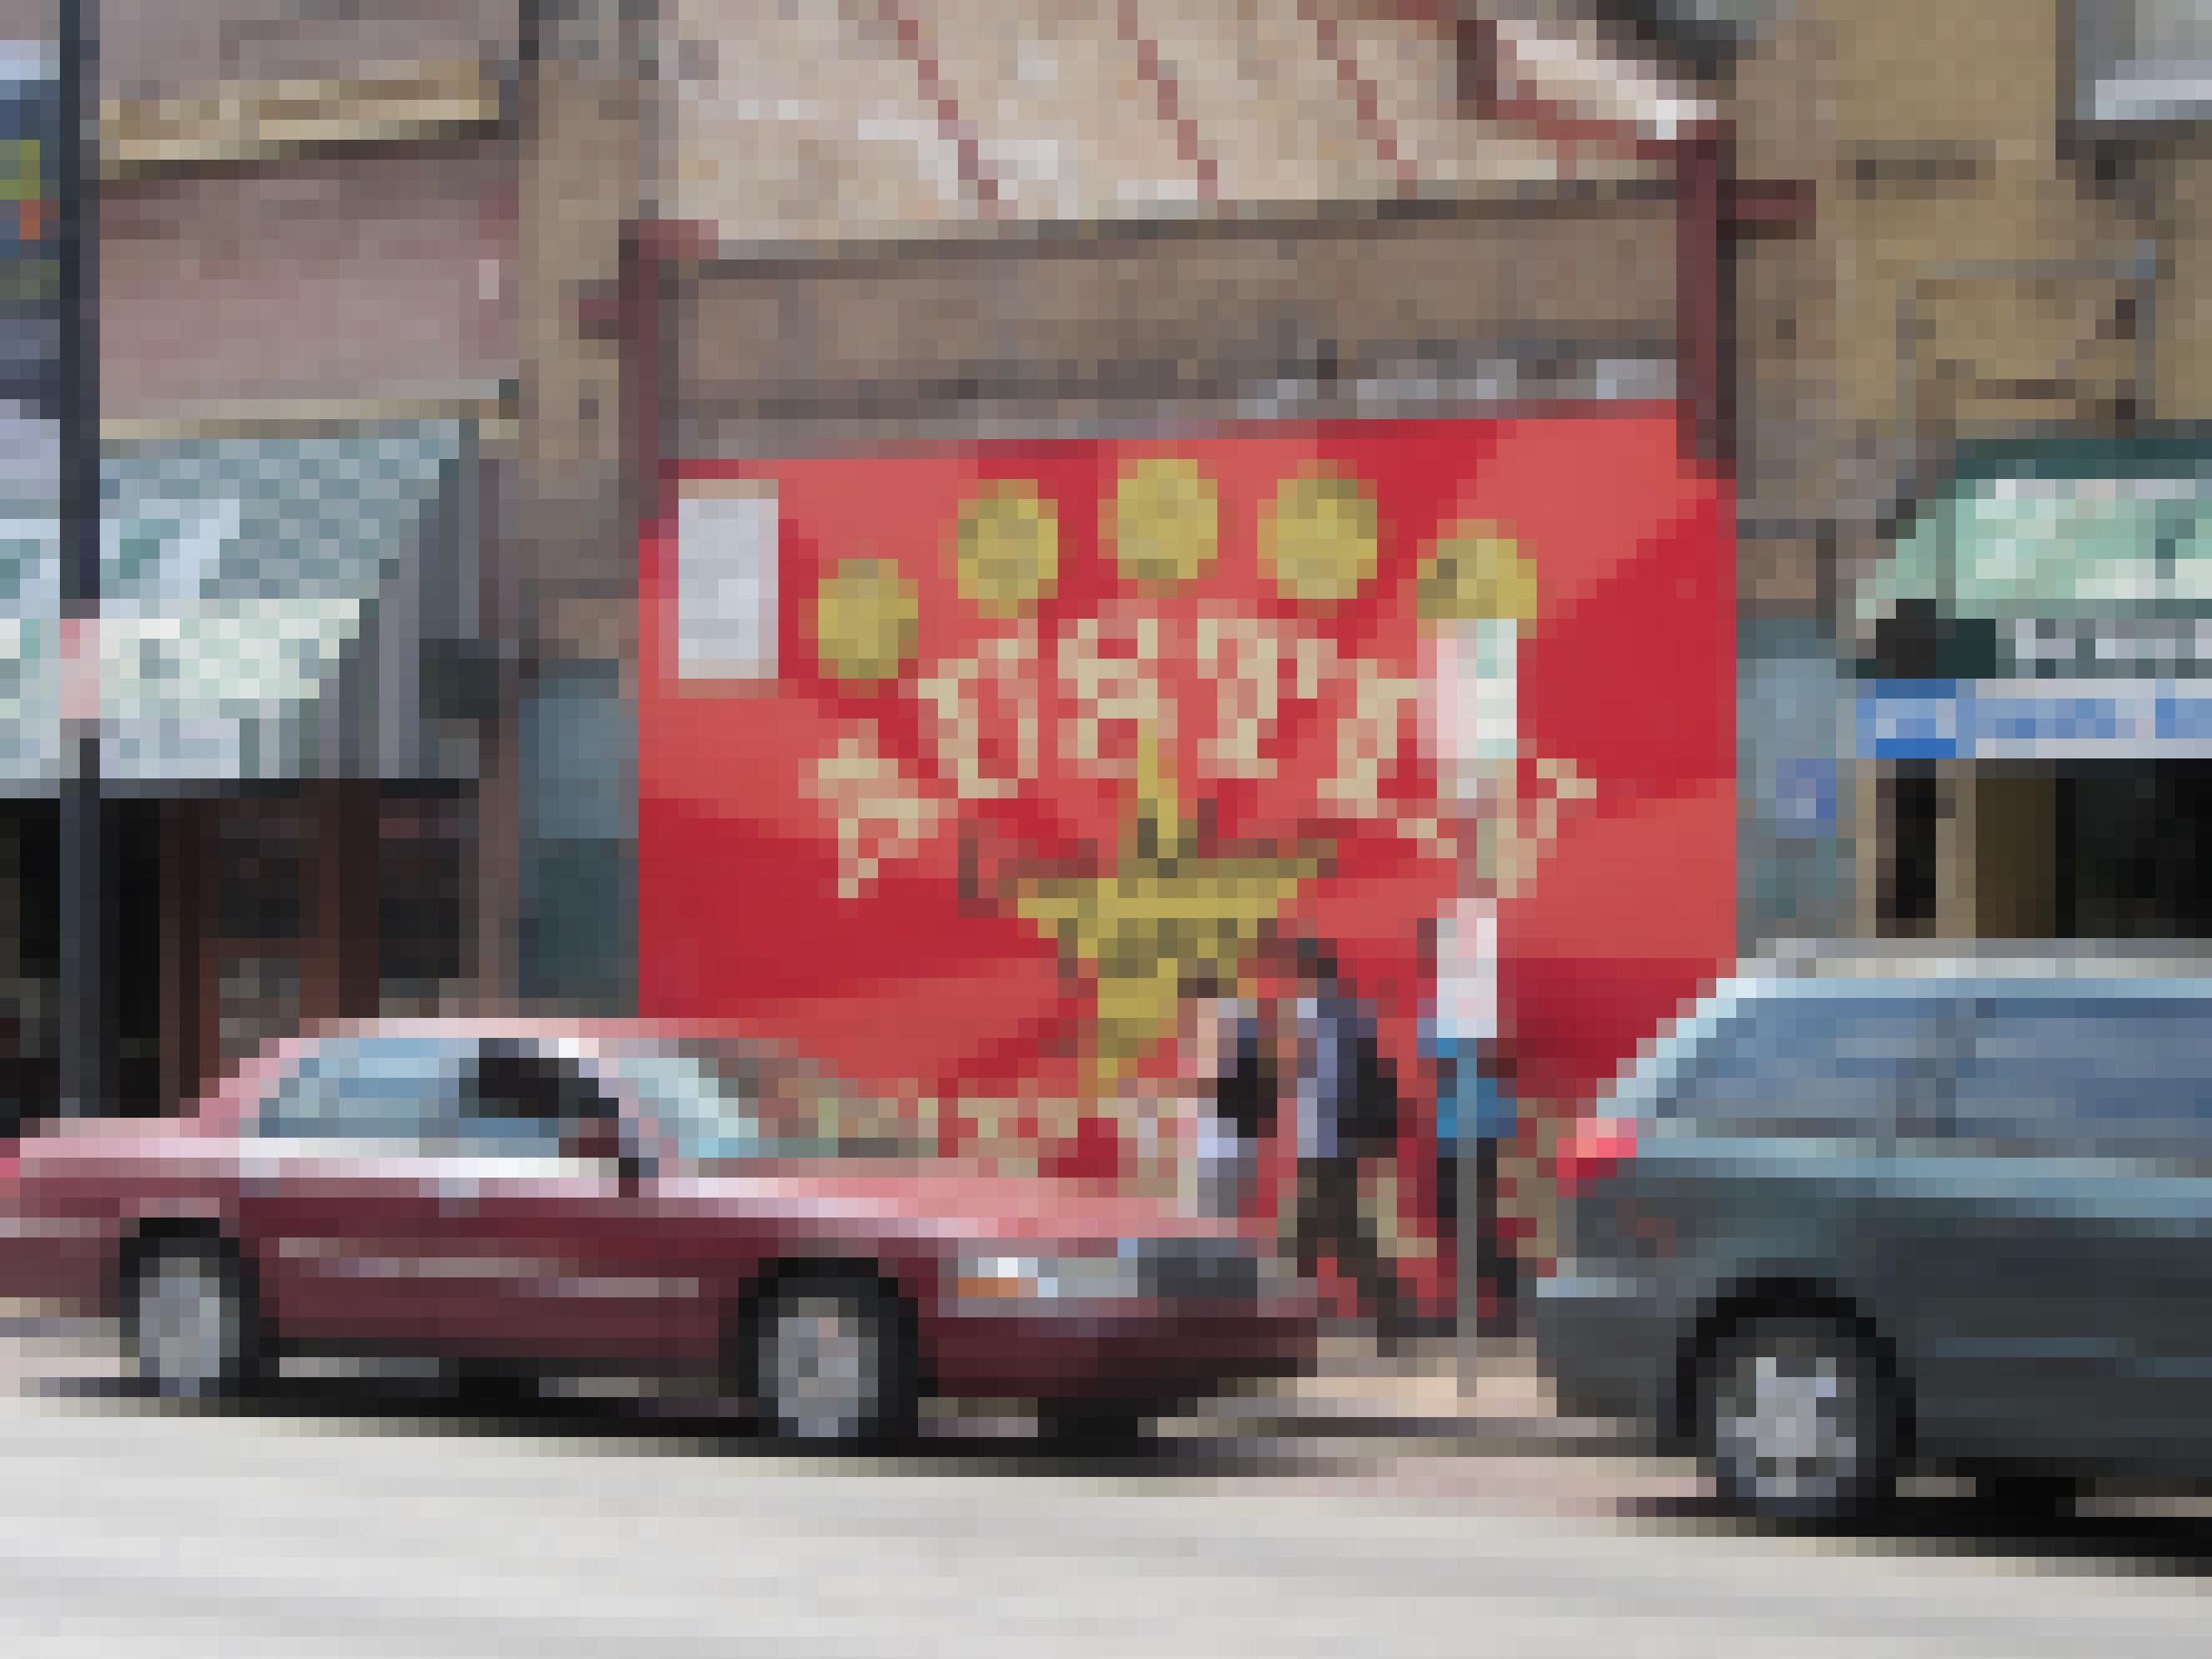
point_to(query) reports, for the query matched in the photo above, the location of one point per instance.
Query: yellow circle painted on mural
(1319, 538)
(1476, 572)
(1166, 522)
(866, 618)
(1007, 548)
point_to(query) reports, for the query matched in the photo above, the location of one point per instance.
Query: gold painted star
(1168, 905)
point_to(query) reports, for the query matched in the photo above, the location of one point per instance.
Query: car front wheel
(193, 1324)
(1797, 1420)
(831, 1364)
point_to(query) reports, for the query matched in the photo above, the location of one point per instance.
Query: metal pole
(1473, 1216)
(84, 1003)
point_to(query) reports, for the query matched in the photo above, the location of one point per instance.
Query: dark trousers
(1496, 1265)
(1330, 1223)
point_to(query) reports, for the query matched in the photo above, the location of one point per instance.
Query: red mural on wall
(952, 758)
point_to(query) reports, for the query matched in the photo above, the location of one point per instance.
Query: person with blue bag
(1474, 1098)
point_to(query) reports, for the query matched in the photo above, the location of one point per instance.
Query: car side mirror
(600, 1140)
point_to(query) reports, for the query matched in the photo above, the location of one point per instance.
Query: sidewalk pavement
(1426, 1394)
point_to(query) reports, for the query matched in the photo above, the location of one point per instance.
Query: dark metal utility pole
(84, 918)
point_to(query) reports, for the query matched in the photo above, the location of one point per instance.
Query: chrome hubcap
(823, 1368)
(1788, 1424)
(188, 1323)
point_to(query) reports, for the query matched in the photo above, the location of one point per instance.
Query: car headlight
(1002, 1277)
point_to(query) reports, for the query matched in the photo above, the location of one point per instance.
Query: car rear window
(392, 1091)
(2100, 1074)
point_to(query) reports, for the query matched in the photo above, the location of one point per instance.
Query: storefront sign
(2035, 720)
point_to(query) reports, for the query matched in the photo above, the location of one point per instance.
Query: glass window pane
(261, 875)
(2124, 1077)
(399, 1090)
(1816, 1067)
(712, 1102)
(423, 917)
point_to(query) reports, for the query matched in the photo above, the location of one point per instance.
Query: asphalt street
(383, 1516)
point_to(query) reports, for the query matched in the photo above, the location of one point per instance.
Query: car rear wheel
(493, 1383)
(1095, 1425)
(831, 1364)
(1796, 1421)
(2027, 1497)
(193, 1324)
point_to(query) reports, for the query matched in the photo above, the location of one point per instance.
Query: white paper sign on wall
(726, 582)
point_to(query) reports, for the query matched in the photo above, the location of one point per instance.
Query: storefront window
(424, 911)
(261, 874)
(257, 1000)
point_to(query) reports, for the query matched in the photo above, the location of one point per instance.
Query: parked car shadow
(2090, 1536)
(649, 1423)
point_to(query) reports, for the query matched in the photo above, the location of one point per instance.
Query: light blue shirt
(1465, 1097)
(1320, 1072)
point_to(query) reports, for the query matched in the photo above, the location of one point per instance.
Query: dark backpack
(1371, 1124)
(1245, 1099)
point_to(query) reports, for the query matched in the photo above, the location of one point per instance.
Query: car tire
(193, 1321)
(493, 1383)
(2019, 1496)
(831, 1364)
(1797, 1420)
(1095, 1425)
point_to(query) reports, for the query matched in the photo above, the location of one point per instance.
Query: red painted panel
(913, 978)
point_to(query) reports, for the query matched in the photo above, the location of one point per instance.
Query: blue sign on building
(1805, 796)
(2035, 720)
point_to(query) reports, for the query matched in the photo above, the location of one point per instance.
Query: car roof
(230, 1094)
(1954, 968)
(522, 1025)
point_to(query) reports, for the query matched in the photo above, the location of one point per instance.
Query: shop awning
(816, 124)
(2049, 600)
(971, 217)
(2052, 541)
(266, 604)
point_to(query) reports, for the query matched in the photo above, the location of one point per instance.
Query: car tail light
(1593, 1151)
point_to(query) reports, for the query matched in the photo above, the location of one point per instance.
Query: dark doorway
(1910, 797)
(30, 959)
(2135, 838)
(134, 828)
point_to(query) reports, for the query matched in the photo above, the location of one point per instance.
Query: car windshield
(718, 1102)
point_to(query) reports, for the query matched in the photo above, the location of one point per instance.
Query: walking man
(1347, 1104)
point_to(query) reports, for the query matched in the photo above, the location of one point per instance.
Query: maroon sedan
(514, 1193)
